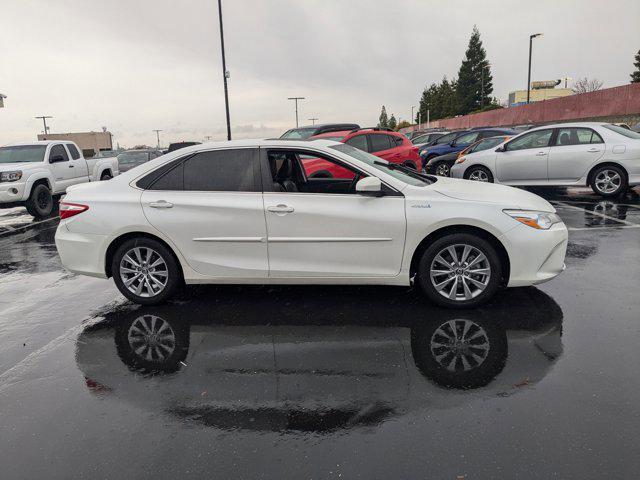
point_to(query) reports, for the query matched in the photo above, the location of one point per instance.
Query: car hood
(509, 197)
(5, 167)
(445, 157)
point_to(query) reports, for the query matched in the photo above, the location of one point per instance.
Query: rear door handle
(541, 154)
(70, 166)
(161, 204)
(281, 208)
(593, 150)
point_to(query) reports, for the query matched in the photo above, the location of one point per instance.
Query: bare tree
(584, 85)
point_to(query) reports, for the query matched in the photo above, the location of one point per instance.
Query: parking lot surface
(324, 382)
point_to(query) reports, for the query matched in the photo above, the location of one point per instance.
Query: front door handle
(161, 204)
(541, 154)
(70, 166)
(280, 209)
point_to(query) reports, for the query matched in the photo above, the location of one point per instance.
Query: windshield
(22, 153)
(299, 133)
(486, 144)
(448, 138)
(133, 157)
(623, 131)
(420, 139)
(376, 162)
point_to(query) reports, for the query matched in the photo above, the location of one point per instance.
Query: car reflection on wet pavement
(324, 382)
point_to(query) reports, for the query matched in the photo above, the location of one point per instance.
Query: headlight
(10, 176)
(537, 220)
(460, 159)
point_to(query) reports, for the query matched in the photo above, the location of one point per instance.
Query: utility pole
(207, 138)
(296, 100)
(531, 37)
(313, 120)
(44, 122)
(566, 79)
(158, 136)
(225, 72)
(412, 117)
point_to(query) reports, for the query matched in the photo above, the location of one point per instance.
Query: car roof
(36, 142)
(331, 134)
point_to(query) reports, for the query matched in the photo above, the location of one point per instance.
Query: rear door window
(379, 142)
(359, 142)
(577, 136)
(222, 171)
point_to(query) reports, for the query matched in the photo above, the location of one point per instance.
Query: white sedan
(246, 212)
(603, 156)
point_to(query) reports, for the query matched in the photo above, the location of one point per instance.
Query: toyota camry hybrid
(246, 212)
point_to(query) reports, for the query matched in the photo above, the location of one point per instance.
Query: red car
(392, 146)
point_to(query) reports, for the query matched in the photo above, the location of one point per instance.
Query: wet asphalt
(324, 382)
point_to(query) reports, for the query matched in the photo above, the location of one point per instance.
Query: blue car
(457, 141)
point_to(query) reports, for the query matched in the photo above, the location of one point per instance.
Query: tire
(479, 174)
(466, 352)
(106, 176)
(40, 202)
(148, 261)
(469, 279)
(442, 169)
(148, 343)
(609, 181)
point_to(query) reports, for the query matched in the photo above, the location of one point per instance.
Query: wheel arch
(116, 242)
(468, 169)
(505, 263)
(37, 181)
(607, 163)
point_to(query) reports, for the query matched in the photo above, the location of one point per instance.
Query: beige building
(519, 97)
(89, 142)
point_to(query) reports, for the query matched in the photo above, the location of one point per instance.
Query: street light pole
(296, 100)
(412, 117)
(225, 73)
(44, 122)
(531, 37)
(158, 136)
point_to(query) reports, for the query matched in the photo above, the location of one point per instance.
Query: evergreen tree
(426, 102)
(383, 121)
(393, 123)
(474, 72)
(635, 76)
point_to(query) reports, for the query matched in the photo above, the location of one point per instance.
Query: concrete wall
(621, 103)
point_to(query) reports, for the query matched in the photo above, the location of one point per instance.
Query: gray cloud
(138, 65)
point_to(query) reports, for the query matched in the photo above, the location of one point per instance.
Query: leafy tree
(383, 121)
(635, 75)
(584, 85)
(393, 123)
(475, 82)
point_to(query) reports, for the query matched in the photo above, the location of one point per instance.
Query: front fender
(33, 178)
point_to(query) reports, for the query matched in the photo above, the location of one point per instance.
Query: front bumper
(80, 252)
(11, 192)
(457, 170)
(536, 256)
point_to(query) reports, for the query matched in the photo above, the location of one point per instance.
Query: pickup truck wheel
(106, 176)
(145, 271)
(460, 270)
(40, 202)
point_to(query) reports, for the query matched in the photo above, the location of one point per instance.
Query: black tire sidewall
(623, 184)
(485, 247)
(175, 272)
(32, 203)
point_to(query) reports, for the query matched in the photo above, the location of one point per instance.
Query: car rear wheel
(609, 181)
(40, 202)
(479, 174)
(145, 271)
(459, 270)
(442, 169)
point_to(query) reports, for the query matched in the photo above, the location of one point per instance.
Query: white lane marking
(598, 214)
(26, 226)
(607, 227)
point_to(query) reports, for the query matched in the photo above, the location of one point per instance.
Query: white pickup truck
(35, 174)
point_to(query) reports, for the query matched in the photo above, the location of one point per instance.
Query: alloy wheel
(460, 272)
(151, 338)
(608, 181)
(460, 345)
(479, 176)
(442, 170)
(144, 272)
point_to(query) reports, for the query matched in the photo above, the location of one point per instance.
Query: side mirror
(369, 186)
(501, 148)
(56, 158)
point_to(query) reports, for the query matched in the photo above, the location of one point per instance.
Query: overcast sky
(137, 65)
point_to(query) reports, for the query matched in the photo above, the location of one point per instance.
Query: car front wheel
(479, 174)
(609, 181)
(145, 271)
(40, 202)
(442, 169)
(460, 270)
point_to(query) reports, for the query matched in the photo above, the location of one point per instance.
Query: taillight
(68, 210)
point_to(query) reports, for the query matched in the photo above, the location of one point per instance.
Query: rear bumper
(536, 256)
(80, 252)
